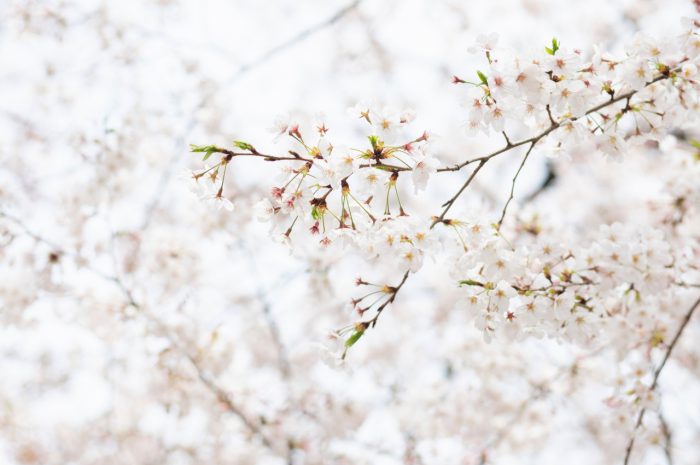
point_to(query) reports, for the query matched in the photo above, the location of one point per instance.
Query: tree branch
(657, 373)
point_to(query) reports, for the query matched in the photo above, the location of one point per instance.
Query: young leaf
(208, 150)
(354, 338)
(555, 47)
(201, 148)
(482, 78)
(244, 146)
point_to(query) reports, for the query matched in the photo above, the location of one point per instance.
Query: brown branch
(657, 373)
(232, 154)
(532, 140)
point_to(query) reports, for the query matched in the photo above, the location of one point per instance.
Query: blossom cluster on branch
(569, 102)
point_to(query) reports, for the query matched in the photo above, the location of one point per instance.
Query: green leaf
(470, 282)
(555, 47)
(208, 150)
(244, 146)
(376, 142)
(315, 214)
(202, 148)
(354, 338)
(482, 77)
(695, 143)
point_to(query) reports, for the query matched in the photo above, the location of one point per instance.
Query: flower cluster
(546, 289)
(599, 101)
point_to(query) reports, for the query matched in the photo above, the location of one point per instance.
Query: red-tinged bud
(220, 192)
(294, 131)
(325, 241)
(314, 229)
(277, 192)
(456, 80)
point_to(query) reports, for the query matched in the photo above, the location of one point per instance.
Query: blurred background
(138, 325)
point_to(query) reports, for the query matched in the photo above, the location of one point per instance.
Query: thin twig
(450, 202)
(512, 185)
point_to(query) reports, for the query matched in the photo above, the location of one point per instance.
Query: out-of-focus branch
(657, 373)
(668, 438)
(273, 327)
(225, 399)
(549, 179)
(299, 37)
(202, 375)
(205, 378)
